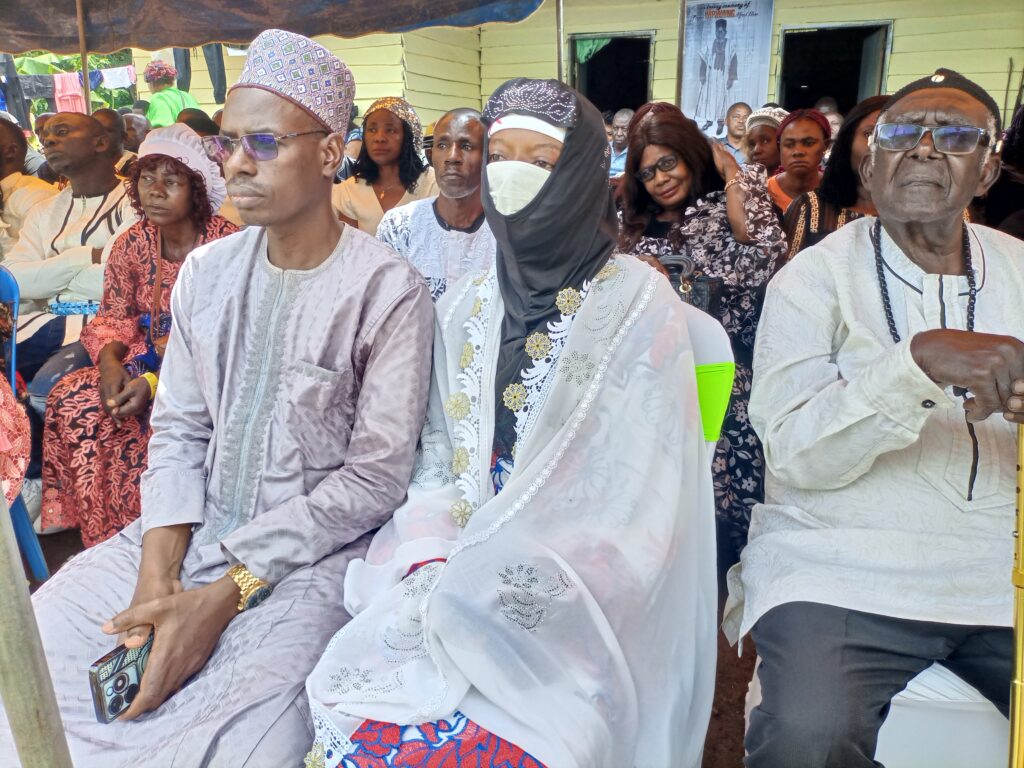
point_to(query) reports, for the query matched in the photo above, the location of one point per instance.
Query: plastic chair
(716, 369)
(28, 542)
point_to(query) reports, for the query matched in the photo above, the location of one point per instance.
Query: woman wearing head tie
(546, 595)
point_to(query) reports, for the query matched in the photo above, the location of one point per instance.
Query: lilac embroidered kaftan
(284, 429)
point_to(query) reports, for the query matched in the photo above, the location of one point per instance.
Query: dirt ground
(723, 747)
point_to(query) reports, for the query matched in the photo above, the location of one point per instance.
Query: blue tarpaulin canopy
(111, 25)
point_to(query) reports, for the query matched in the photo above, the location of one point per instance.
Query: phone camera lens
(120, 682)
(131, 693)
(116, 704)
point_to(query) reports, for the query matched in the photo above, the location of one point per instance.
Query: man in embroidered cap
(888, 374)
(291, 396)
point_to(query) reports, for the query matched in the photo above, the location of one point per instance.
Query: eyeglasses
(258, 146)
(666, 164)
(947, 139)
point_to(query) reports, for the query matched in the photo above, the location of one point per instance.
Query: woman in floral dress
(97, 420)
(685, 196)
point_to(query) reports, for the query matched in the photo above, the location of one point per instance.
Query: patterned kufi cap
(403, 110)
(548, 100)
(772, 116)
(304, 72)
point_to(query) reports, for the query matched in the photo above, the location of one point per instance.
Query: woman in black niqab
(560, 239)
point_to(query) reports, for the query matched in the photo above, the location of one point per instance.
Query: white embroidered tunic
(441, 253)
(596, 557)
(880, 497)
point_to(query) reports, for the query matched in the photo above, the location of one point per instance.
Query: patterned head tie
(548, 100)
(403, 110)
(158, 72)
(304, 72)
(772, 116)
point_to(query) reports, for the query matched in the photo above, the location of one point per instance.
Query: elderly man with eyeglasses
(888, 381)
(291, 398)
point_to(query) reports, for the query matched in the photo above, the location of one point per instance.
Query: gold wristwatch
(254, 589)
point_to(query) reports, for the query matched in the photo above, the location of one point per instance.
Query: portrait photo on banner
(726, 58)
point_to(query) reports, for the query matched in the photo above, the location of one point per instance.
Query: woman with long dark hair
(841, 197)
(95, 445)
(685, 197)
(391, 169)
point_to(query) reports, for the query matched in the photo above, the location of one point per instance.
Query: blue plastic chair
(28, 542)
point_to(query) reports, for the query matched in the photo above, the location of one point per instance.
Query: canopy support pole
(560, 31)
(84, 50)
(25, 685)
(679, 53)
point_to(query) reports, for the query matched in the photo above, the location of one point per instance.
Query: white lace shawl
(575, 615)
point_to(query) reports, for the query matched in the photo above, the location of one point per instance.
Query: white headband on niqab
(181, 143)
(528, 123)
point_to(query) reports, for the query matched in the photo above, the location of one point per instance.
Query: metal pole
(84, 51)
(1017, 686)
(679, 53)
(25, 684)
(560, 31)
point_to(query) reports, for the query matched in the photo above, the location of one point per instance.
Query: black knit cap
(947, 78)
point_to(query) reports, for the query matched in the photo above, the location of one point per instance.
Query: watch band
(248, 584)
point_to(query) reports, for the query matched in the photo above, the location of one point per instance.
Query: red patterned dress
(14, 442)
(92, 465)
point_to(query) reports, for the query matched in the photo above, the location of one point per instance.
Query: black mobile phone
(115, 679)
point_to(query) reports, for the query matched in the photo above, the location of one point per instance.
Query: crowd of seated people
(411, 464)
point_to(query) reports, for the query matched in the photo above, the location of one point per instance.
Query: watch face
(258, 597)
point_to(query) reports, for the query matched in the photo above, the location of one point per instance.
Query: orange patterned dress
(91, 464)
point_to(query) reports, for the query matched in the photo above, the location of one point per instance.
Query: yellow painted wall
(976, 39)
(528, 48)
(442, 70)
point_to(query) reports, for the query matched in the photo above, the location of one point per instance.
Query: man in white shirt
(18, 192)
(888, 374)
(62, 246)
(446, 236)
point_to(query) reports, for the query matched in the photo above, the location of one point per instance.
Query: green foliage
(45, 63)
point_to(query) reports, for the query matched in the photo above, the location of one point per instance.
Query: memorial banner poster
(726, 55)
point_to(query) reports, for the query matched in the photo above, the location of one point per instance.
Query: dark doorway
(614, 72)
(845, 63)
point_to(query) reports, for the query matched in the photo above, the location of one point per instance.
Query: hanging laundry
(36, 86)
(67, 90)
(95, 79)
(119, 77)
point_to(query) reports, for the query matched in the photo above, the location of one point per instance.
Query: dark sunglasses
(947, 139)
(666, 164)
(258, 146)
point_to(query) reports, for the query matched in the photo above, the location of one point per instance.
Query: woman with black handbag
(709, 224)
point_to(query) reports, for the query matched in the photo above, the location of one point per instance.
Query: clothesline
(65, 88)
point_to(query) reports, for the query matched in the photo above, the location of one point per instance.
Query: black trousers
(214, 55)
(828, 676)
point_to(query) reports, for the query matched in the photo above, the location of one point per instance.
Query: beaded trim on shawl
(463, 406)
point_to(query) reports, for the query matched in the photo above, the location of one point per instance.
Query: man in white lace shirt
(18, 192)
(888, 374)
(446, 236)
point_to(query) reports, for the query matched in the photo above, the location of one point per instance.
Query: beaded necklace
(972, 286)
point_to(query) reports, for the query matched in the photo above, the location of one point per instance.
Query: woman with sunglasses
(804, 136)
(391, 169)
(683, 196)
(97, 419)
(841, 197)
